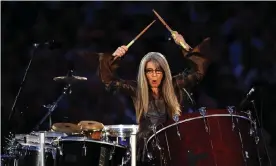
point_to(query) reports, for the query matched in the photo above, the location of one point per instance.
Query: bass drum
(82, 151)
(207, 138)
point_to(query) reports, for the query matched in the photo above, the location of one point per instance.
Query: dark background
(243, 43)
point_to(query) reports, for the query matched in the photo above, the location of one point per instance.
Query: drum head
(90, 125)
(68, 128)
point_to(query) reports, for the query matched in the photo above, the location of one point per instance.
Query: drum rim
(194, 118)
(83, 139)
(36, 146)
(121, 126)
(47, 133)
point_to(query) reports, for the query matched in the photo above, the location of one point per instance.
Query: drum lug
(149, 155)
(257, 139)
(253, 128)
(176, 119)
(127, 157)
(54, 153)
(60, 149)
(111, 153)
(202, 111)
(230, 109)
(84, 149)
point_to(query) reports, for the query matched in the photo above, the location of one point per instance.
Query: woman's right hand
(121, 51)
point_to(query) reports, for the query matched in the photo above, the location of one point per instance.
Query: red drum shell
(216, 145)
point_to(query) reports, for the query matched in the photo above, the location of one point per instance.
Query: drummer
(156, 94)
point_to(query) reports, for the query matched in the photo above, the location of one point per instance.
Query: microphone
(247, 96)
(52, 44)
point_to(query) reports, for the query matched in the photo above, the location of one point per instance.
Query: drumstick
(141, 33)
(163, 22)
(168, 27)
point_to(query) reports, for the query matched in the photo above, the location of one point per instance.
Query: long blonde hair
(142, 95)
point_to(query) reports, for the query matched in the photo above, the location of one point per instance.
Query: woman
(156, 94)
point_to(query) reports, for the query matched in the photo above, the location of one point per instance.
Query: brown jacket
(108, 66)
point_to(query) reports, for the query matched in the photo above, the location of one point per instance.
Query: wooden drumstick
(141, 33)
(169, 28)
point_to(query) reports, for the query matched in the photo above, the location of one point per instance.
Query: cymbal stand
(52, 107)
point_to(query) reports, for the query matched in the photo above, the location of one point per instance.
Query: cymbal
(69, 79)
(90, 125)
(67, 128)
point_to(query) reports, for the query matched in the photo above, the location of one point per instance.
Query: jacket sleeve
(107, 73)
(198, 56)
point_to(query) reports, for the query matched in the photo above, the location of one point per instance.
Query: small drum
(33, 137)
(67, 128)
(120, 134)
(208, 138)
(91, 129)
(81, 151)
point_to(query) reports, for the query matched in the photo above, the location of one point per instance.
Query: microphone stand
(23, 81)
(52, 107)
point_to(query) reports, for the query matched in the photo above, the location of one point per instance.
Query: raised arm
(108, 65)
(198, 55)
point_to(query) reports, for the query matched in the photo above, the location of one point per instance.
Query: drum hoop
(81, 139)
(194, 118)
(35, 146)
(121, 130)
(133, 127)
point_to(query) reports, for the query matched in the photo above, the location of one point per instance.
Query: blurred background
(243, 43)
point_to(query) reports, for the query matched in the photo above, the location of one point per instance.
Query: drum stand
(42, 149)
(133, 146)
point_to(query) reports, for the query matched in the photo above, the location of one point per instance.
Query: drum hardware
(52, 107)
(50, 45)
(112, 153)
(157, 144)
(230, 109)
(245, 154)
(261, 130)
(153, 127)
(176, 119)
(42, 151)
(84, 149)
(253, 130)
(102, 156)
(126, 158)
(202, 112)
(257, 139)
(168, 145)
(70, 79)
